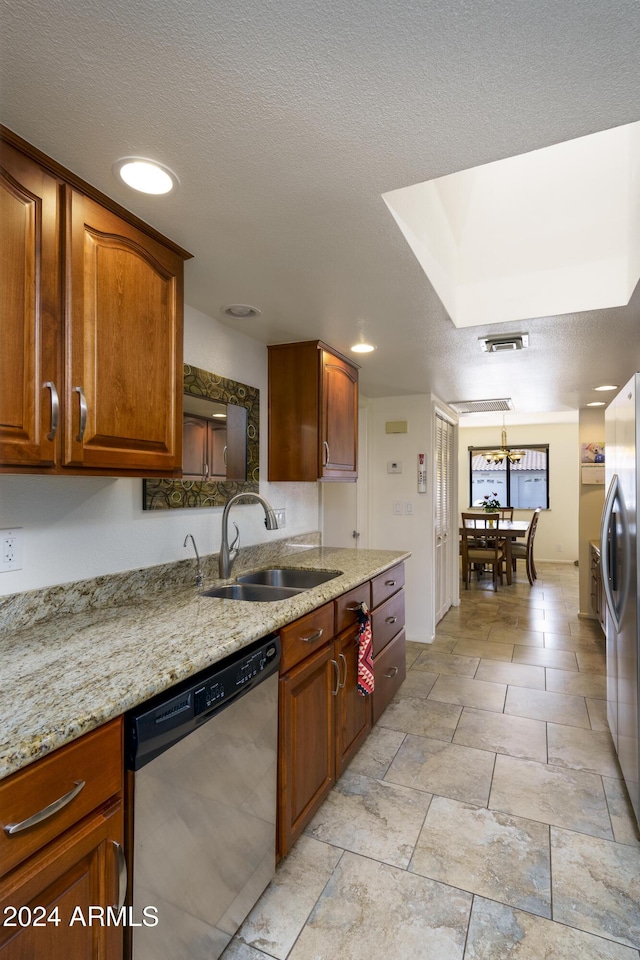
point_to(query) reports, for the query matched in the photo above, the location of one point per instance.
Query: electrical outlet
(11, 549)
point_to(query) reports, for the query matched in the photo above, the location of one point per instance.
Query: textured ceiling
(287, 120)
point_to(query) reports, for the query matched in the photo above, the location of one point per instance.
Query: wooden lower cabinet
(53, 892)
(54, 870)
(389, 670)
(353, 711)
(306, 751)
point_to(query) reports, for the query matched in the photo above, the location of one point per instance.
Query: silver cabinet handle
(55, 408)
(391, 620)
(353, 607)
(312, 636)
(334, 693)
(326, 450)
(390, 583)
(224, 454)
(46, 812)
(83, 413)
(205, 470)
(392, 672)
(344, 680)
(122, 874)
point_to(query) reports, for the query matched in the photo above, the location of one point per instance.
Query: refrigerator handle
(605, 544)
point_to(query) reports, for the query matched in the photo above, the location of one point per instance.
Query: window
(523, 485)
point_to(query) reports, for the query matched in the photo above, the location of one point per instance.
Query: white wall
(557, 533)
(414, 532)
(79, 527)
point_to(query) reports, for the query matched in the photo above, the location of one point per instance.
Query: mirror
(221, 449)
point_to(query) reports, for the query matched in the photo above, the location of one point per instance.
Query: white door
(445, 541)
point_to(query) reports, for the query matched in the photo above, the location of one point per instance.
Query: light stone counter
(68, 672)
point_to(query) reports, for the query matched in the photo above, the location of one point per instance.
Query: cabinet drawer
(345, 616)
(95, 758)
(386, 621)
(389, 671)
(386, 584)
(304, 636)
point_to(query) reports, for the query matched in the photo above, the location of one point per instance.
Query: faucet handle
(233, 550)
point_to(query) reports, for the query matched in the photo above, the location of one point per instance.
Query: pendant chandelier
(497, 456)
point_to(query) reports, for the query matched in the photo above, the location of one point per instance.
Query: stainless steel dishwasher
(201, 803)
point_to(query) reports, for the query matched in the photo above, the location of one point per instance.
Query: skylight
(549, 232)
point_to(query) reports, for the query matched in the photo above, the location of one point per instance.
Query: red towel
(365, 652)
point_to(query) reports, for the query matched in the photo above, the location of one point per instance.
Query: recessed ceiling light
(362, 348)
(597, 403)
(607, 386)
(241, 311)
(147, 176)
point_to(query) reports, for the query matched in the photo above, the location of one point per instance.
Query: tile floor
(485, 817)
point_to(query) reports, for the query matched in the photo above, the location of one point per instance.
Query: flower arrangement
(491, 502)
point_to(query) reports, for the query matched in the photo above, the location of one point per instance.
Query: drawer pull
(312, 636)
(46, 812)
(122, 874)
(391, 620)
(391, 674)
(83, 414)
(353, 607)
(390, 583)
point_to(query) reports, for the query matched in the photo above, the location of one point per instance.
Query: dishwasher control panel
(170, 716)
(229, 680)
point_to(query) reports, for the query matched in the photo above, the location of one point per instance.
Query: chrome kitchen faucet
(229, 553)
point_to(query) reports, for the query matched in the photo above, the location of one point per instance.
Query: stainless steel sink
(282, 577)
(254, 592)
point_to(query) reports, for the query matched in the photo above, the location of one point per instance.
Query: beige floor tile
(597, 710)
(543, 705)
(469, 693)
(445, 643)
(376, 753)
(499, 932)
(592, 661)
(566, 641)
(538, 791)
(595, 886)
(514, 736)
(586, 628)
(416, 684)
(446, 769)
(540, 625)
(577, 684)
(371, 817)
(464, 846)
(435, 661)
(472, 630)
(503, 634)
(518, 674)
(561, 659)
(623, 819)
(425, 718)
(484, 648)
(413, 651)
(579, 749)
(275, 922)
(237, 950)
(372, 910)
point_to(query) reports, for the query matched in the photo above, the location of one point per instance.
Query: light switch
(397, 507)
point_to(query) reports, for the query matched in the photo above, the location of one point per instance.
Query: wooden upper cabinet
(29, 310)
(91, 376)
(313, 413)
(124, 328)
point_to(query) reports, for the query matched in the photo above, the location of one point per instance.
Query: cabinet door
(306, 752)
(389, 671)
(353, 712)
(194, 448)
(29, 310)
(339, 434)
(124, 345)
(77, 872)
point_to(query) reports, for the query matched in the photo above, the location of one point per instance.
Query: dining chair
(524, 551)
(480, 551)
(506, 513)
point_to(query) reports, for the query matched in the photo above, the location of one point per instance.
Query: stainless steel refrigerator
(620, 569)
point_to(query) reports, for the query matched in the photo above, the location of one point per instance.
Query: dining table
(507, 530)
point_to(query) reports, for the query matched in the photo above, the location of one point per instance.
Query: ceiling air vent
(517, 341)
(481, 406)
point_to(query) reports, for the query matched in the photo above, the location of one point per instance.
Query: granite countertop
(67, 673)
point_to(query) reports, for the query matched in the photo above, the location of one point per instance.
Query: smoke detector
(516, 341)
